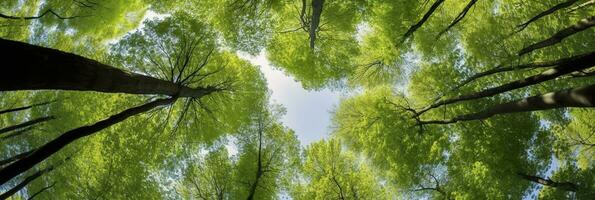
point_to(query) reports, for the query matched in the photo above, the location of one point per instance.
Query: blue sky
(308, 112)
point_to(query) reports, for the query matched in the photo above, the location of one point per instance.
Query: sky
(308, 112)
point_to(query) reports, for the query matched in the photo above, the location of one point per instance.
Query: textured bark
(27, 124)
(568, 186)
(574, 97)
(546, 13)
(25, 107)
(423, 20)
(39, 68)
(317, 6)
(459, 17)
(582, 25)
(581, 63)
(55, 145)
(588, 3)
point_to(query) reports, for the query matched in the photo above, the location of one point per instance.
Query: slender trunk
(533, 65)
(317, 6)
(16, 133)
(423, 20)
(581, 63)
(459, 17)
(26, 124)
(574, 97)
(25, 107)
(55, 145)
(341, 195)
(588, 3)
(568, 186)
(582, 25)
(14, 158)
(40, 68)
(41, 190)
(557, 7)
(29, 179)
(259, 170)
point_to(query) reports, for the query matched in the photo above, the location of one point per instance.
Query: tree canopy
(444, 99)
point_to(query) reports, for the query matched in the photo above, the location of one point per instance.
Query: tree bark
(582, 25)
(317, 6)
(581, 63)
(55, 145)
(573, 97)
(568, 186)
(546, 13)
(26, 124)
(459, 17)
(39, 68)
(14, 158)
(423, 20)
(25, 107)
(588, 3)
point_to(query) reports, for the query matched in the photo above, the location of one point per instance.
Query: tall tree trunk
(562, 69)
(39, 68)
(546, 13)
(423, 20)
(55, 145)
(459, 17)
(16, 133)
(26, 124)
(259, 170)
(568, 186)
(582, 25)
(25, 107)
(317, 6)
(574, 97)
(14, 158)
(30, 178)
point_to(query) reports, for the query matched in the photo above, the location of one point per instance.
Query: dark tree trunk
(423, 20)
(39, 68)
(26, 124)
(14, 158)
(459, 17)
(259, 169)
(575, 97)
(317, 6)
(55, 145)
(582, 25)
(546, 13)
(568, 186)
(562, 69)
(25, 107)
(29, 179)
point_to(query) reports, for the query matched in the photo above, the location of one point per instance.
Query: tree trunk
(317, 6)
(29, 179)
(423, 20)
(581, 63)
(546, 13)
(259, 170)
(55, 145)
(588, 3)
(14, 158)
(25, 107)
(459, 17)
(26, 124)
(575, 97)
(568, 186)
(582, 25)
(39, 68)
(16, 133)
